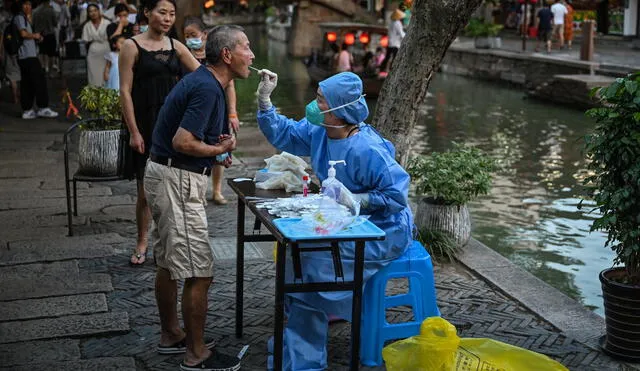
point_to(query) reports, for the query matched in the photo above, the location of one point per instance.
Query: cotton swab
(255, 69)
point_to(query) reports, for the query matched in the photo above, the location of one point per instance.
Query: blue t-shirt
(197, 104)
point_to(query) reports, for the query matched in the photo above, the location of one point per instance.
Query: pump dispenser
(332, 187)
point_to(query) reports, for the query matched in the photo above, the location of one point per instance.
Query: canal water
(531, 215)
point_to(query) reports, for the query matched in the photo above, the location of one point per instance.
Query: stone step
(81, 247)
(34, 271)
(60, 327)
(57, 193)
(35, 156)
(53, 307)
(47, 286)
(85, 205)
(102, 364)
(39, 351)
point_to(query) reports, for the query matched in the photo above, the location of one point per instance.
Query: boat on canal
(362, 40)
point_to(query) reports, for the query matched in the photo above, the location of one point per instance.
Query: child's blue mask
(194, 43)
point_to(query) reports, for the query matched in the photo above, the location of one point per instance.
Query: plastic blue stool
(414, 264)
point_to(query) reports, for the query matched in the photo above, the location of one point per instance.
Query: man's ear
(226, 55)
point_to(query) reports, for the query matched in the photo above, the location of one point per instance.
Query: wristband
(233, 115)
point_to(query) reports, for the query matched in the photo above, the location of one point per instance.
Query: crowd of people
(555, 21)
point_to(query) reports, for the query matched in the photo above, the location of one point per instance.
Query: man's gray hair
(219, 38)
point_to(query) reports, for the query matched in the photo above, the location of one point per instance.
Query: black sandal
(138, 256)
(181, 346)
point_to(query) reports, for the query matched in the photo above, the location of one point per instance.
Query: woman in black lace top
(149, 68)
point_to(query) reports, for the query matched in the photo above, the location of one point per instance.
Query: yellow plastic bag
(433, 350)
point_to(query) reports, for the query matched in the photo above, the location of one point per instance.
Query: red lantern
(332, 37)
(384, 41)
(364, 38)
(349, 39)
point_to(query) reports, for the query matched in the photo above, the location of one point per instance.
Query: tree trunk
(434, 25)
(184, 9)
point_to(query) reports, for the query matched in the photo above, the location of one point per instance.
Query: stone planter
(622, 316)
(488, 42)
(98, 152)
(452, 219)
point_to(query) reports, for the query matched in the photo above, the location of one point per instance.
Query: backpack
(11, 38)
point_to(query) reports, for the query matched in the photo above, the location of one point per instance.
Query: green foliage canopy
(613, 150)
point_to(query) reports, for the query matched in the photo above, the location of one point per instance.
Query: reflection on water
(530, 216)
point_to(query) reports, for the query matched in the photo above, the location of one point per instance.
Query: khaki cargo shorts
(180, 234)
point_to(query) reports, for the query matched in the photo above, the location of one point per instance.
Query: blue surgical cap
(344, 88)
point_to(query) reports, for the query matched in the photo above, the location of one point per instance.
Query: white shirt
(559, 11)
(396, 34)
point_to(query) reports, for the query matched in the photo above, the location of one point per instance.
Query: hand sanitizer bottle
(331, 187)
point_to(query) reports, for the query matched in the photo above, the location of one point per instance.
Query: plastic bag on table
(438, 348)
(330, 218)
(287, 162)
(286, 180)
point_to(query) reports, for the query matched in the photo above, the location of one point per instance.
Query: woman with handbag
(149, 69)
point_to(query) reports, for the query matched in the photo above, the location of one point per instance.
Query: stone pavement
(611, 57)
(74, 303)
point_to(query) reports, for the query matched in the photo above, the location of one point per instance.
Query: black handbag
(126, 168)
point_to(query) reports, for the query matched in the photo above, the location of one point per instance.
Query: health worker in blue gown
(334, 129)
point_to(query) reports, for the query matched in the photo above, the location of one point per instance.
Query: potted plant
(99, 143)
(485, 34)
(613, 150)
(446, 182)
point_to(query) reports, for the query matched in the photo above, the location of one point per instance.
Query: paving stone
(39, 351)
(225, 248)
(80, 247)
(53, 307)
(53, 193)
(102, 364)
(37, 221)
(17, 233)
(21, 171)
(85, 205)
(47, 286)
(68, 326)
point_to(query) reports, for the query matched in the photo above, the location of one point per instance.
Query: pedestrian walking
(559, 12)
(94, 32)
(9, 58)
(545, 18)
(195, 40)
(149, 69)
(568, 23)
(45, 22)
(33, 84)
(121, 24)
(186, 140)
(396, 34)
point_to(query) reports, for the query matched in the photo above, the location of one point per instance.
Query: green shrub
(613, 151)
(103, 105)
(439, 244)
(478, 28)
(454, 177)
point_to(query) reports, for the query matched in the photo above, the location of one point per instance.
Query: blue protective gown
(371, 168)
